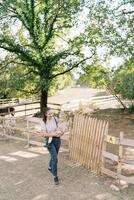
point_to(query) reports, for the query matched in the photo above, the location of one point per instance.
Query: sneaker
(56, 180)
(49, 169)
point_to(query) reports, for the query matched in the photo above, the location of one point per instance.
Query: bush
(131, 108)
(124, 80)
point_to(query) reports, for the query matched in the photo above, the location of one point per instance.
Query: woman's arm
(45, 134)
(50, 134)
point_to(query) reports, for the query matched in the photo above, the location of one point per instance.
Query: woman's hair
(45, 114)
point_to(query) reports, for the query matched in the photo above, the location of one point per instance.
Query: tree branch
(50, 33)
(19, 63)
(123, 4)
(35, 91)
(17, 49)
(128, 12)
(74, 66)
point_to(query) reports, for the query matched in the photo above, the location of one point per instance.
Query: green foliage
(111, 23)
(131, 108)
(94, 76)
(61, 82)
(124, 80)
(17, 81)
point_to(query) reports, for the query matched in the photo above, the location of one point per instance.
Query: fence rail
(24, 109)
(121, 142)
(10, 128)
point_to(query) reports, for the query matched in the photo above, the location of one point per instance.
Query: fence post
(28, 138)
(119, 167)
(104, 145)
(25, 110)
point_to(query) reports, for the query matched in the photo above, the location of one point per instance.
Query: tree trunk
(43, 101)
(118, 98)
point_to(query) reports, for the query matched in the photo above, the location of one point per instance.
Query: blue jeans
(53, 149)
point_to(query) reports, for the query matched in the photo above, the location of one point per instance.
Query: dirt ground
(24, 174)
(119, 121)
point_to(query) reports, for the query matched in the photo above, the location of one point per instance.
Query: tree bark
(43, 100)
(118, 98)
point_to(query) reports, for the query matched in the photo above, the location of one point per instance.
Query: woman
(53, 142)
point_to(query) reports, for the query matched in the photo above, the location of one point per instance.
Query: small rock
(123, 184)
(102, 196)
(114, 187)
(106, 196)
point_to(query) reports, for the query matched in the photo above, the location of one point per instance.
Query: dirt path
(24, 176)
(75, 93)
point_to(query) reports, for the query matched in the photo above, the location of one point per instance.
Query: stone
(106, 196)
(114, 187)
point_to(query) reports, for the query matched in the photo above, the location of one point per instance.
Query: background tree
(111, 26)
(124, 79)
(98, 76)
(30, 31)
(17, 81)
(112, 22)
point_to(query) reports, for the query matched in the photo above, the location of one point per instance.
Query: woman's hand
(60, 135)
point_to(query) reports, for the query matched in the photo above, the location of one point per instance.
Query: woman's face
(49, 114)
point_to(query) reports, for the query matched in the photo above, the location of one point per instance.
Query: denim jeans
(53, 149)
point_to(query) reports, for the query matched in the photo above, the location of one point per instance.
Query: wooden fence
(28, 108)
(86, 141)
(121, 143)
(23, 129)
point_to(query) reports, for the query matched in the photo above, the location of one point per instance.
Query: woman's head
(48, 114)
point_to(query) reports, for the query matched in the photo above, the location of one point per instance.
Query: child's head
(62, 116)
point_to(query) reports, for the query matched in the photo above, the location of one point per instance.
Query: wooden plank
(24, 140)
(119, 167)
(88, 142)
(35, 143)
(110, 156)
(72, 138)
(111, 139)
(77, 137)
(85, 159)
(99, 147)
(109, 172)
(26, 130)
(104, 131)
(127, 142)
(95, 152)
(15, 138)
(130, 162)
(104, 144)
(85, 134)
(80, 137)
(127, 179)
(93, 138)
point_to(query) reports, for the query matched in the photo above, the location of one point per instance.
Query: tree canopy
(37, 34)
(31, 30)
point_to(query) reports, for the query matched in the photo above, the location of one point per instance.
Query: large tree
(31, 30)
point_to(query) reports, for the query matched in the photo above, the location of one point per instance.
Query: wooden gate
(86, 141)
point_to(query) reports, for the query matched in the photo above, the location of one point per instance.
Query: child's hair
(45, 114)
(63, 115)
